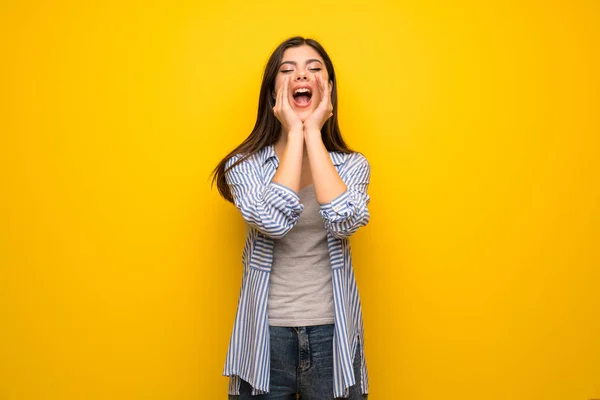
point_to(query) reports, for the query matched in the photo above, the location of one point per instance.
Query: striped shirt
(271, 210)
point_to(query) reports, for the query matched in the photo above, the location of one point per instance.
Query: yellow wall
(120, 268)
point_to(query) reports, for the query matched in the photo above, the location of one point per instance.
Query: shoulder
(359, 158)
(254, 160)
(354, 160)
(355, 168)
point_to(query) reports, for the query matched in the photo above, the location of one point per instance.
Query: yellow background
(120, 268)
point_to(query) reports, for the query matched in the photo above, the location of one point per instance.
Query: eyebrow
(310, 60)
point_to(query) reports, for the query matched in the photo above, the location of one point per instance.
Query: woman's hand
(283, 111)
(323, 112)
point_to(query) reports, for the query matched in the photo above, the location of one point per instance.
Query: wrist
(311, 132)
(295, 131)
(295, 139)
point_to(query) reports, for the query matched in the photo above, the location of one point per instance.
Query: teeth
(302, 90)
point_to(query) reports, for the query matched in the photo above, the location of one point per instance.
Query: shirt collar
(337, 158)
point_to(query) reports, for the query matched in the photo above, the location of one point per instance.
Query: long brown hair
(268, 128)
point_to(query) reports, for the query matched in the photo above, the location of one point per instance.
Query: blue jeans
(302, 362)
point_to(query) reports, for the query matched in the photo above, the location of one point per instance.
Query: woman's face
(301, 64)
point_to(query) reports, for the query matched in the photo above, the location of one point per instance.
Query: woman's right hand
(283, 111)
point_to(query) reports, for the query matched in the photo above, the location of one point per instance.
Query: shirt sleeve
(348, 212)
(271, 208)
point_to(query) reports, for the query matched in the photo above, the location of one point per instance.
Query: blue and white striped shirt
(271, 210)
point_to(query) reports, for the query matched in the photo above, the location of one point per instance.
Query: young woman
(298, 329)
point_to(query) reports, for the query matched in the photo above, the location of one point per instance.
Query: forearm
(290, 163)
(271, 209)
(326, 180)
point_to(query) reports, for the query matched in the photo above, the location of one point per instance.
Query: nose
(301, 75)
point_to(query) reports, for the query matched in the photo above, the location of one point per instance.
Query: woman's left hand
(323, 112)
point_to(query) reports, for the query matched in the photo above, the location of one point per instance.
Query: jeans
(302, 362)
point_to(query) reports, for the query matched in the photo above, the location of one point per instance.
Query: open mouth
(302, 97)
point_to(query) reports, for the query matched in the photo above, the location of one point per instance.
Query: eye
(315, 69)
(286, 70)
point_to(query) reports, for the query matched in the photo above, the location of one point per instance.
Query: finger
(320, 84)
(279, 94)
(324, 91)
(286, 92)
(325, 100)
(289, 92)
(275, 98)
